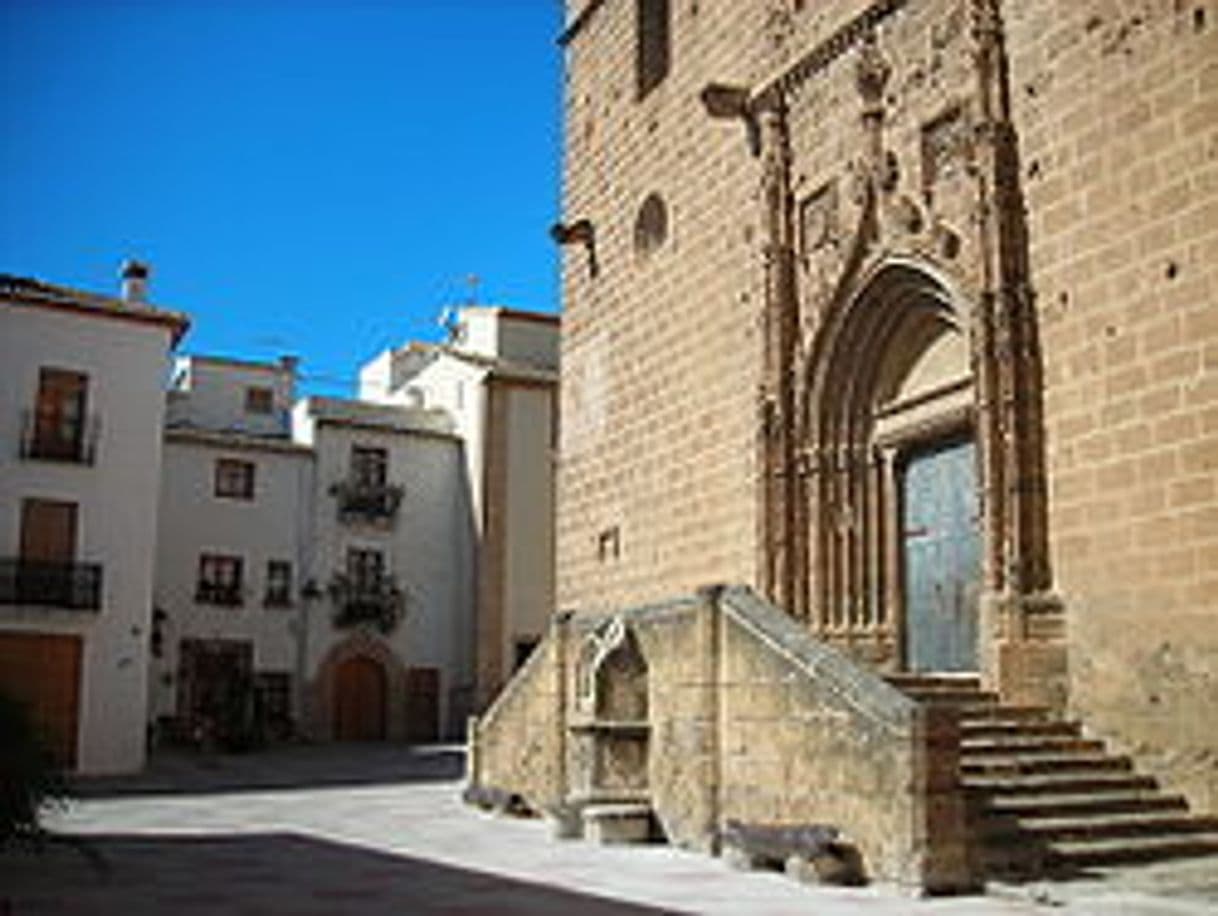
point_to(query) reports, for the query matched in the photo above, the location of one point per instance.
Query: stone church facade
(904, 313)
(888, 474)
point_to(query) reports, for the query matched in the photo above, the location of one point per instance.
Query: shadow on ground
(294, 767)
(284, 874)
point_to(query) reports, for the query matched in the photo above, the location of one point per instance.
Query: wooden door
(42, 672)
(48, 531)
(422, 704)
(942, 559)
(359, 700)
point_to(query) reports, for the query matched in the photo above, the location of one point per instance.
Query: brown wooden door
(422, 704)
(48, 531)
(359, 700)
(42, 672)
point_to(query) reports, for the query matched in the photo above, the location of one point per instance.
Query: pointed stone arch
(888, 369)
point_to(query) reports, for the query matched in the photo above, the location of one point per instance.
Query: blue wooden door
(942, 559)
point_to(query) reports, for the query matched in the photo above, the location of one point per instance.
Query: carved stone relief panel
(946, 149)
(818, 219)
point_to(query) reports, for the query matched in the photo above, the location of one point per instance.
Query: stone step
(1023, 729)
(918, 681)
(1128, 850)
(1095, 826)
(1088, 803)
(622, 822)
(1069, 782)
(1002, 713)
(1043, 762)
(1019, 743)
(953, 697)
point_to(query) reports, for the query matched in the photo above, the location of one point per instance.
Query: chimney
(135, 275)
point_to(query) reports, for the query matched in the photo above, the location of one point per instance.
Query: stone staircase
(1045, 800)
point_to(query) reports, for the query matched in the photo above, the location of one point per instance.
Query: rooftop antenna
(449, 322)
(473, 281)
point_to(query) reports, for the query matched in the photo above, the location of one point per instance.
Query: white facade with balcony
(498, 379)
(234, 522)
(81, 409)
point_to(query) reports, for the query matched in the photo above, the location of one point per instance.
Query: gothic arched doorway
(359, 699)
(891, 485)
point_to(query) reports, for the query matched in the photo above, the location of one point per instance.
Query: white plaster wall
(529, 572)
(458, 386)
(194, 521)
(210, 394)
(117, 507)
(429, 549)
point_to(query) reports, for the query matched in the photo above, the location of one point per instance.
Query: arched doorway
(891, 488)
(359, 700)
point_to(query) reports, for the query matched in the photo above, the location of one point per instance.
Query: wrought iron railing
(72, 586)
(379, 602)
(73, 441)
(360, 500)
(221, 594)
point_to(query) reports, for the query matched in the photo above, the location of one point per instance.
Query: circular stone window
(651, 225)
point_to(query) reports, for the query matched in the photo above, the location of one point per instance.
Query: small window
(219, 580)
(369, 466)
(652, 44)
(58, 430)
(259, 400)
(366, 569)
(651, 225)
(278, 584)
(234, 479)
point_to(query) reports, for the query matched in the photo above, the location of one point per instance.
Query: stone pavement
(380, 830)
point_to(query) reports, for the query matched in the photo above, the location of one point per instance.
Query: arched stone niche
(610, 730)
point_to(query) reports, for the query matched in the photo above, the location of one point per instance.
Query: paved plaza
(381, 830)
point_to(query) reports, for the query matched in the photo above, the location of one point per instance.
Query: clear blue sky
(305, 177)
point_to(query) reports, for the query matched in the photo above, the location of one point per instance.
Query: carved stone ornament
(818, 219)
(598, 646)
(872, 71)
(946, 147)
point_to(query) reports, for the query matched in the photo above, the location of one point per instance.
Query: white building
(498, 378)
(234, 517)
(218, 560)
(81, 410)
(390, 561)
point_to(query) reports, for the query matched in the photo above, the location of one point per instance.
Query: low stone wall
(809, 737)
(750, 720)
(517, 744)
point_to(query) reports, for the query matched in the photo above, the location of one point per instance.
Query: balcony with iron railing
(222, 594)
(69, 441)
(377, 602)
(70, 586)
(360, 500)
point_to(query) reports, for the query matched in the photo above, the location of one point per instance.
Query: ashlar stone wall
(749, 719)
(1116, 104)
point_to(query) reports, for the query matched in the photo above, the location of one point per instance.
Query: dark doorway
(215, 690)
(942, 546)
(422, 704)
